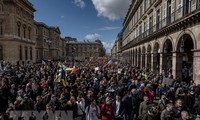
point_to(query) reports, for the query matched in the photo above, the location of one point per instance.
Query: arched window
(1, 52)
(20, 52)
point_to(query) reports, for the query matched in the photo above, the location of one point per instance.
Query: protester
(118, 108)
(107, 109)
(52, 83)
(92, 111)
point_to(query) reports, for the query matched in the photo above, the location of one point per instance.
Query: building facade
(17, 40)
(163, 35)
(81, 51)
(48, 42)
(22, 39)
(116, 52)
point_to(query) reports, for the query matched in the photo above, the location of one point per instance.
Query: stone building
(83, 50)
(164, 35)
(22, 39)
(17, 40)
(48, 42)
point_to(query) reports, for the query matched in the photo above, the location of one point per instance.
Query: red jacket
(105, 110)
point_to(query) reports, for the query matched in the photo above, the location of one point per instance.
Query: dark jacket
(166, 115)
(151, 116)
(121, 109)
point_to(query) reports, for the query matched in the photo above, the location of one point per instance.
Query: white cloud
(108, 28)
(108, 46)
(112, 9)
(94, 36)
(79, 3)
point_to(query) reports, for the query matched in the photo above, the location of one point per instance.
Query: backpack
(88, 109)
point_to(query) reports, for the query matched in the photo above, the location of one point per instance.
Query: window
(151, 25)
(1, 52)
(29, 33)
(31, 53)
(24, 27)
(169, 11)
(140, 30)
(145, 5)
(26, 53)
(145, 28)
(1, 28)
(141, 10)
(19, 29)
(20, 52)
(179, 6)
(137, 15)
(158, 19)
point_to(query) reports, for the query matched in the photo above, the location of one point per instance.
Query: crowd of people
(107, 92)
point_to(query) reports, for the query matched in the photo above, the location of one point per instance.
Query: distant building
(49, 45)
(83, 50)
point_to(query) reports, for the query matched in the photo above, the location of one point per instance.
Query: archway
(167, 57)
(156, 58)
(149, 57)
(185, 59)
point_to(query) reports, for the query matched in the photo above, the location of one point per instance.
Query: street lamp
(48, 43)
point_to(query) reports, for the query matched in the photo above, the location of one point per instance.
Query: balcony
(174, 20)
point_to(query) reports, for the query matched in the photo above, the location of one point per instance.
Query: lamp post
(48, 43)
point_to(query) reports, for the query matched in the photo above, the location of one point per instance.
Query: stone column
(196, 66)
(146, 62)
(135, 59)
(177, 65)
(163, 62)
